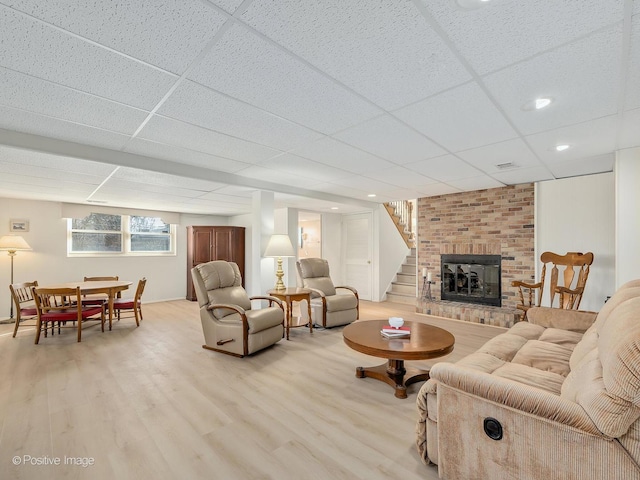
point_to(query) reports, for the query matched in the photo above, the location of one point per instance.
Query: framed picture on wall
(18, 225)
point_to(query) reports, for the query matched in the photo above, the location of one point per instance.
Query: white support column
(627, 229)
(262, 269)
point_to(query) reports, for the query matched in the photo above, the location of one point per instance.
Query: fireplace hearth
(471, 279)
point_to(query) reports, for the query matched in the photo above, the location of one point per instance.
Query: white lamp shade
(279, 246)
(13, 243)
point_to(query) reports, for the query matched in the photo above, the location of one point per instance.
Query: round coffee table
(425, 342)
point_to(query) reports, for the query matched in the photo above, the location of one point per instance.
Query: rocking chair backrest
(571, 263)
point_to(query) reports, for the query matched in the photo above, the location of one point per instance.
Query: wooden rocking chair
(569, 293)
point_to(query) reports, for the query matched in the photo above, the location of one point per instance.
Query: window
(104, 234)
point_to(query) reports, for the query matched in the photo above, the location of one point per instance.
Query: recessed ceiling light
(561, 148)
(334, 208)
(542, 102)
(537, 104)
(371, 195)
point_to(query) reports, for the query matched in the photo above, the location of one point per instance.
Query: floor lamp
(279, 246)
(13, 243)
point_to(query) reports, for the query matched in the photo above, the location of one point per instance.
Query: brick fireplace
(496, 222)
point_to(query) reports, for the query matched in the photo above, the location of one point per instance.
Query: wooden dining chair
(25, 306)
(63, 305)
(131, 304)
(98, 298)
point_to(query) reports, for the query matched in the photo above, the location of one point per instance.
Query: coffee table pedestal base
(395, 374)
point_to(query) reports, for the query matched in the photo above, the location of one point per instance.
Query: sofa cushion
(606, 379)
(546, 357)
(544, 380)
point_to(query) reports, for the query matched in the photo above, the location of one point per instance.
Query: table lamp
(279, 246)
(13, 243)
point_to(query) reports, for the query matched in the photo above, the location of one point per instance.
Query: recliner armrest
(353, 290)
(271, 300)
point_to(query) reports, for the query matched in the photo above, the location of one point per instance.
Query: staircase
(403, 288)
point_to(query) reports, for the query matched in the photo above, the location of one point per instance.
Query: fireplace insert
(471, 279)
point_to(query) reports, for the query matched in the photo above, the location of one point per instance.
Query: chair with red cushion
(98, 298)
(24, 303)
(133, 304)
(63, 305)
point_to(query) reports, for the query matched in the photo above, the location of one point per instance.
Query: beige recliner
(228, 322)
(328, 307)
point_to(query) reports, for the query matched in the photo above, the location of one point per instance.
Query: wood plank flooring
(150, 402)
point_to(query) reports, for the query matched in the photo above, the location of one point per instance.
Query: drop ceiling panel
(37, 162)
(193, 103)
(183, 155)
(229, 6)
(586, 139)
(459, 119)
(168, 34)
(145, 178)
(27, 122)
(388, 138)
(272, 175)
(70, 61)
(345, 190)
(338, 154)
(438, 189)
(277, 82)
(364, 184)
(39, 96)
(523, 175)
(385, 51)
(476, 183)
(488, 157)
(399, 176)
(583, 166)
(445, 169)
(303, 168)
(632, 99)
(567, 76)
(502, 33)
(184, 135)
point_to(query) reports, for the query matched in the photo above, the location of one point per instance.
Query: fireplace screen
(471, 279)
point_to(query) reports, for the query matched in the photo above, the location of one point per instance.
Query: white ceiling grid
(193, 105)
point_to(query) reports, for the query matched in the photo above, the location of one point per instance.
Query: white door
(358, 246)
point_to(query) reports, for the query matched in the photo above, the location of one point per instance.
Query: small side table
(288, 296)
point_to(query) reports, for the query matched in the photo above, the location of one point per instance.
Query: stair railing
(401, 212)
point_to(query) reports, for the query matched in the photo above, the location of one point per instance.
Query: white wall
(578, 215)
(627, 178)
(48, 261)
(391, 251)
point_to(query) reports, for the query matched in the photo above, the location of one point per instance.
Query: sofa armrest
(524, 398)
(574, 320)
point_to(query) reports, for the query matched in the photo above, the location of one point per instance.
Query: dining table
(112, 288)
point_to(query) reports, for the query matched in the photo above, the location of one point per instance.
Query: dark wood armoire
(205, 243)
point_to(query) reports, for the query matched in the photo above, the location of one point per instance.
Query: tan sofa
(556, 397)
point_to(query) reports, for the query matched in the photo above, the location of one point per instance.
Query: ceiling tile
(338, 154)
(488, 157)
(40, 163)
(279, 83)
(39, 96)
(399, 176)
(436, 189)
(275, 176)
(168, 34)
(445, 169)
(303, 168)
(384, 50)
(502, 33)
(193, 103)
(388, 138)
(583, 166)
(180, 134)
(632, 99)
(476, 183)
(586, 139)
(458, 119)
(145, 177)
(70, 61)
(172, 153)
(567, 76)
(27, 122)
(228, 5)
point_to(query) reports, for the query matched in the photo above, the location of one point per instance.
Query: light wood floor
(150, 402)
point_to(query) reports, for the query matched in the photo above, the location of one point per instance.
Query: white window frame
(126, 241)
